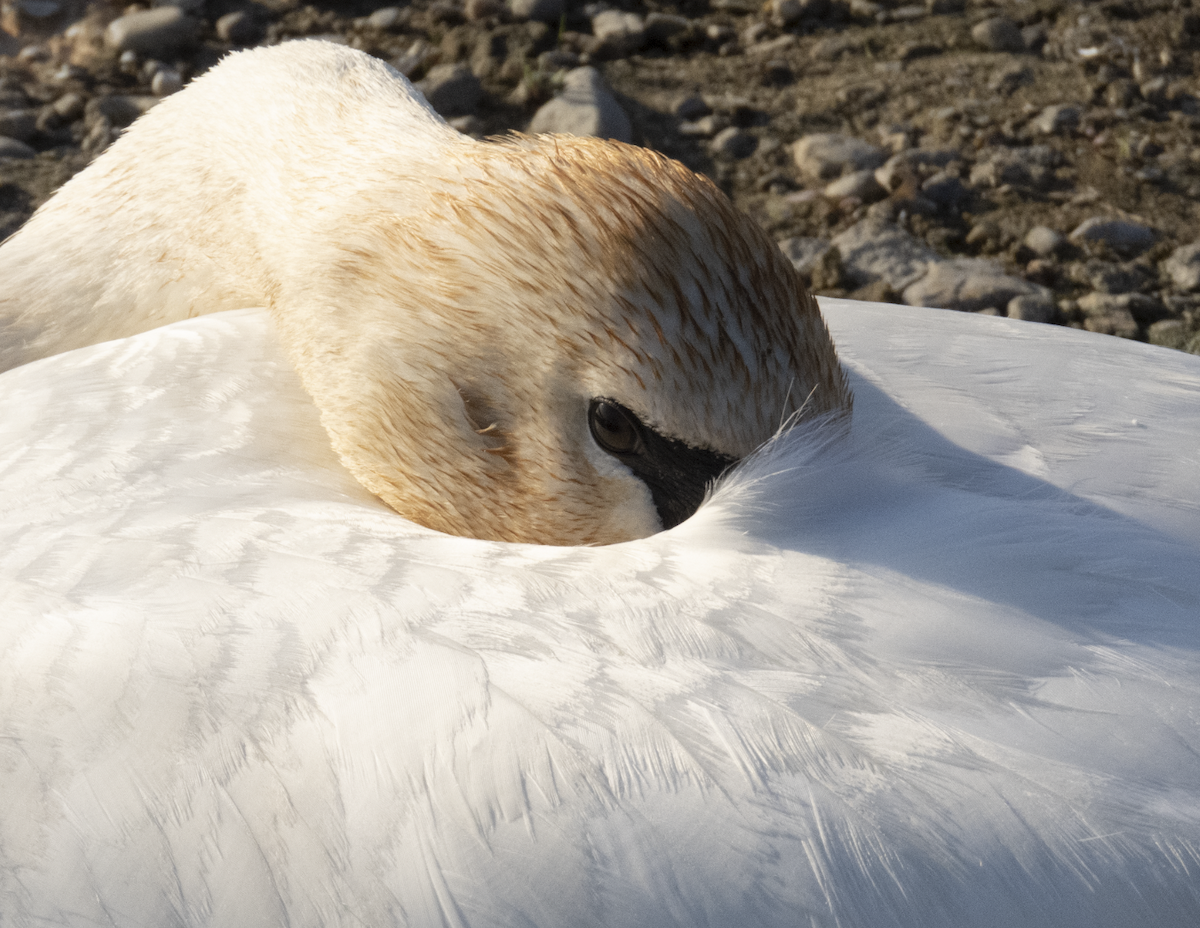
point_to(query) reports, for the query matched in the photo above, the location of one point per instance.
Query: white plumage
(944, 671)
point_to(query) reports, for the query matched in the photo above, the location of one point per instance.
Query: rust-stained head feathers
(459, 348)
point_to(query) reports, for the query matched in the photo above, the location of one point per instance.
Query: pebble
(451, 89)
(1106, 314)
(542, 11)
(872, 250)
(661, 27)
(969, 284)
(1033, 307)
(705, 126)
(166, 82)
(734, 143)
(1044, 241)
(1121, 235)
(1183, 268)
(789, 12)
(479, 10)
(1113, 278)
(945, 191)
(69, 107)
(155, 33)
(1169, 333)
(12, 148)
(911, 165)
(1058, 119)
(804, 252)
(998, 34)
(861, 185)
(19, 124)
(692, 107)
(240, 28)
(119, 109)
(825, 155)
(1141, 307)
(618, 33)
(585, 107)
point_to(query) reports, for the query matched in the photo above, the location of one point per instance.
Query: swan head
(563, 341)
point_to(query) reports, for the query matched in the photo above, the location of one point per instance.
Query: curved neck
(211, 199)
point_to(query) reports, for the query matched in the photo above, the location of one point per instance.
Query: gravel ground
(1035, 158)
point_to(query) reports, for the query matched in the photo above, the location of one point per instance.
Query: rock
(1058, 119)
(859, 184)
(804, 253)
(1182, 267)
(241, 28)
(1031, 166)
(1169, 333)
(542, 11)
(478, 10)
(872, 250)
(413, 60)
(451, 89)
(618, 33)
(945, 191)
(911, 165)
(119, 109)
(1044, 241)
(68, 107)
(585, 107)
(879, 291)
(12, 148)
(1105, 314)
(662, 27)
(692, 107)
(896, 137)
(156, 33)
(18, 124)
(468, 125)
(387, 18)
(1035, 37)
(1033, 307)
(1009, 78)
(1142, 308)
(789, 12)
(1121, 235)
(1113, 278)
(827, 155)
(786, 12)
(734, 143)
(969, 284)
(866, 9)
(998, 34)
(704, 127)
(166, 82)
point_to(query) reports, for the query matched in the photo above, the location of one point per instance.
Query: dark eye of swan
(676, 473)
(615, 428)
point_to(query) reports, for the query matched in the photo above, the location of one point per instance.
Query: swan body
(456, 309)
(941, 671)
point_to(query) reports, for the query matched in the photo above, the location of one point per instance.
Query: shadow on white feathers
(942, 670)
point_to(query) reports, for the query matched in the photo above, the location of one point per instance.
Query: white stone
(969, 284)
(1183, 267)
(825, 155)
(585, 107)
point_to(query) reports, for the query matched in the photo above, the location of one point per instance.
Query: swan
(935, 666)
(552, 340)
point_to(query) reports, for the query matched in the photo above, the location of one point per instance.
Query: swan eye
(615, 428)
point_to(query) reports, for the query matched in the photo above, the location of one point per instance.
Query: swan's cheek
(624, 505)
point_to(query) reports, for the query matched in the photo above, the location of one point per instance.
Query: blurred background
(1038, 159)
